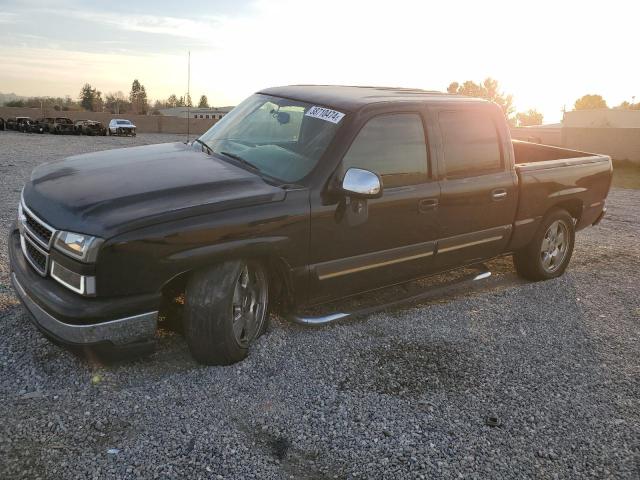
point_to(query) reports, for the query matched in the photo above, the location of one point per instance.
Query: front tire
(226, 309)
(549, 252)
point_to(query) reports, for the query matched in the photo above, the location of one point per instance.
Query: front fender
(144, 260)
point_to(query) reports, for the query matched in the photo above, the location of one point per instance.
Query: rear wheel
(226, 309)
(550, 250)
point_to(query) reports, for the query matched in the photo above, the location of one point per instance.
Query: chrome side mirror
(360, 183)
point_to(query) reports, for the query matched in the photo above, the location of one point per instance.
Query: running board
(332, 317)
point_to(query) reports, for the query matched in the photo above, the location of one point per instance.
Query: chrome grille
(35, 239)
(39, 230)
(36, 256)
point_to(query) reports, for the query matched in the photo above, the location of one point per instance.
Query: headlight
(77, 245)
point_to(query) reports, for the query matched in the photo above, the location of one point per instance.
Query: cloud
(152, 24)
(8, 17)
(44, 71)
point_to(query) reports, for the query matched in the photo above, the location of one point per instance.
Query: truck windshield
(281, 138)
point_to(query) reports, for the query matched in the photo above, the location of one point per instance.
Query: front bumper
(125, 131)
(74, 320)
(601, 216)
(123, 331)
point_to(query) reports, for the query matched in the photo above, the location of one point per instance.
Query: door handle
(427, 204)
(499, 193)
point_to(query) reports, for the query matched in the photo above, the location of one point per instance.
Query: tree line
(137, 102)
(489, 89)
(92, 100)
(591, 101)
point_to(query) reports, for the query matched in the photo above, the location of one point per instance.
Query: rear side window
(393, 146)
(470, 143)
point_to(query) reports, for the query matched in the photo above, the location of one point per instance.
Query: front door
(358, 245)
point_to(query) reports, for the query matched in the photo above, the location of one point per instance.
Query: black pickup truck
(299, 196)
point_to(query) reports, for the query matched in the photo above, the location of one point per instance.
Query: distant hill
(9, 97)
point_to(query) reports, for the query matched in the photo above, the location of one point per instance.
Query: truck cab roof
(352, 98)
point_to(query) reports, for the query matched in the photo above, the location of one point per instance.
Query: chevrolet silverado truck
(300, 196)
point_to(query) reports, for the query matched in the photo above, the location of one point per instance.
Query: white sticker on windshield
(325, 114)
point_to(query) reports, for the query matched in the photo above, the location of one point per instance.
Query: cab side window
(394, 147)
(471, 144)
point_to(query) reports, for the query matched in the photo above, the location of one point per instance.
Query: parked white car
(120, 126)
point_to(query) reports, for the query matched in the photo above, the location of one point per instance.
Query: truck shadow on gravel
(409, 369)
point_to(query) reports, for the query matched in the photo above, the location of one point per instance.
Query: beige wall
(144, 123)
(619, 143)
(546, 136)
(602, 118)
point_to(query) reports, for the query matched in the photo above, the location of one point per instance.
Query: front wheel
(547, 255)
(226, 309)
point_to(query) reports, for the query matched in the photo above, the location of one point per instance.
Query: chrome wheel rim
(249, 304)
(555, 244)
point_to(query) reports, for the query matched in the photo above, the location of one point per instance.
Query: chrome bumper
(119, 332)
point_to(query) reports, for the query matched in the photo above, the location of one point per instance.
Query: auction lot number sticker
(325, 114)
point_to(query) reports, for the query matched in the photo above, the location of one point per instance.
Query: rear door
(478, 187)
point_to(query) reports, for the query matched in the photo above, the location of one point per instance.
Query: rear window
(124, 122)
(470, 143)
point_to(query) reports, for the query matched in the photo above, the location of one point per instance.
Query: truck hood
(107, 193)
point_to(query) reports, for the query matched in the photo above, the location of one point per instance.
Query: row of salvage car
(64, 125)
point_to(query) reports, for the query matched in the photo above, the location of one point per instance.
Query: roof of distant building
(179, 111)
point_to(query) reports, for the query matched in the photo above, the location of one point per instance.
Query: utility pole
(188, 93)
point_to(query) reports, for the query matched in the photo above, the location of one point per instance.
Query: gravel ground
(399, 394)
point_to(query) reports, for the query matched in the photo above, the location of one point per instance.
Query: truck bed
(526, 152)
(552, 176)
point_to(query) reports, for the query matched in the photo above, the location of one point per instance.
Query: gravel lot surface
(400, 394)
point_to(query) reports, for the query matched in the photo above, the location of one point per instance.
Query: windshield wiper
(204, 145)
(241, 160)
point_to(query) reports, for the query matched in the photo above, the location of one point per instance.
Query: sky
(545, 53)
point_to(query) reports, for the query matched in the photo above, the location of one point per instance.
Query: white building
(214, 113)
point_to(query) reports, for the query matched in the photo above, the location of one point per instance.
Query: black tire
(533, 261)
(210, 311)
